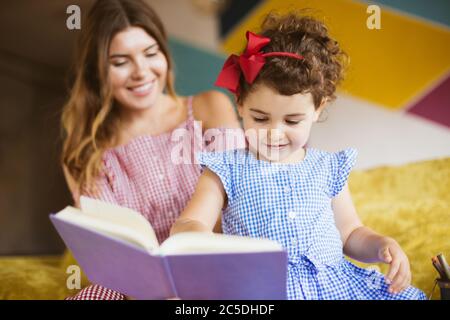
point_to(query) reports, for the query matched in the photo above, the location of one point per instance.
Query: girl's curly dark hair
(319, 73)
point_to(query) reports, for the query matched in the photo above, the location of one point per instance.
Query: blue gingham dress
(291, 204)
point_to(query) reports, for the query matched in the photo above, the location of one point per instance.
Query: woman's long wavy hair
(90, 119)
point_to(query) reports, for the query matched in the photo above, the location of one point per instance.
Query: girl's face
(137, 69)
(277, 126)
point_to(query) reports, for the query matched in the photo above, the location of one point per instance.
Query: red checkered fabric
(96, 292)
(145, 175)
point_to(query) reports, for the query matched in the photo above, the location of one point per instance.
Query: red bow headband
(249, 63)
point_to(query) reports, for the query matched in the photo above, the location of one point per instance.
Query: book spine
(169, 275)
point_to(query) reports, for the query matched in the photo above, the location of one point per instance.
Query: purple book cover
(129, 269)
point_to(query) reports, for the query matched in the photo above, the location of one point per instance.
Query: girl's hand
(399, 274)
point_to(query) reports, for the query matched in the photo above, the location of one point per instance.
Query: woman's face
(137, 69)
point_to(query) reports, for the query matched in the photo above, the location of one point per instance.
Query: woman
(121, 114)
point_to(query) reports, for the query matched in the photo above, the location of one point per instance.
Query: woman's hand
(399, 274)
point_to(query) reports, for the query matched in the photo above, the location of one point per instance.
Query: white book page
(114, 220)
(203, 242)
(121, 216)
(123, 232)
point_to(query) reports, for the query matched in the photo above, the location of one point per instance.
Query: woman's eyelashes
(118, 63)
(151, 54)
(124, 62)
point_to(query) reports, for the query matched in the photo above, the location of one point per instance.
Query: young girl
(121, 116)
(277, 188)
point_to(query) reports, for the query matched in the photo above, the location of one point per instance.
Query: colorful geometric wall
(403, 67)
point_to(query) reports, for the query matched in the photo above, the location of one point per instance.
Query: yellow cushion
(38, 278)
(69, 260)
(32, 278)
(411, 204)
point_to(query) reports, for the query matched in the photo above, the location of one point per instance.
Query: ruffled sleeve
(341, 164)
(219, 163)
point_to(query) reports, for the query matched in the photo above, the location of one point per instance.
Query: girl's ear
(319, 110)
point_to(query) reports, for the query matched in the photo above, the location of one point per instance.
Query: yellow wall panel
(389, 66)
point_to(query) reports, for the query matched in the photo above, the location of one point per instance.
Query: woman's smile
(143, 89)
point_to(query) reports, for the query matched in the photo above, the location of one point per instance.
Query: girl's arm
(205, 206)
(363, 244)
(215, 110)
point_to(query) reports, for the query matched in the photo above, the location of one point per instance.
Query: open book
(117, 248)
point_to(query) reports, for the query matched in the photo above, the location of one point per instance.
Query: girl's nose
(275, 134)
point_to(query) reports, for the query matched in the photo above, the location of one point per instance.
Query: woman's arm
(204, 208)
(72, 186)
(214, 109)
(363, 244)
(103, 191)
